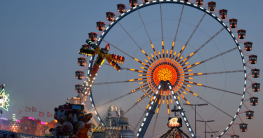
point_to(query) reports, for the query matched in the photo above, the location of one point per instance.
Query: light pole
(195, 111)
(212, 132)
(205, 123)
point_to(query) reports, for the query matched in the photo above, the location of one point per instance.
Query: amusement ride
(170, 75)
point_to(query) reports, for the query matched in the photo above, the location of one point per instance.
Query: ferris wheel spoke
(198, 63)
(139, 100)
(210, 73)
(135, 90)
(183, 96)
(148, 37)
(167, 102)
(150, 86)
(177, 90)
(130, 55)
(114, 82)
(161, 15)
(135, 70)
(177, 31)
(198, 84)
(129, 35)
(188, 57)
(144, 26)
(118, 49)
(137, 45)
(206, 101)
(215, 107)
(183, 48)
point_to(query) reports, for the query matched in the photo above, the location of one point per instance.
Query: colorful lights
(167, 69)
(164, 72)
(4, 99)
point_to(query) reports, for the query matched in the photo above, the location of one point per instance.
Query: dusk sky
(40, 40)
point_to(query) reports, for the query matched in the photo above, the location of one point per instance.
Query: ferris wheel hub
(164, 72)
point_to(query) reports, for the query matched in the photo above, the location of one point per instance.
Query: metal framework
(178, 60)
(151, 109)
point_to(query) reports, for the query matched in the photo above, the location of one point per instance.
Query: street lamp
(212, 132)
(195, 111)
(205, 123)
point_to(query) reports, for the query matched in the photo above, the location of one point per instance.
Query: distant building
(117, 126)
(125, 131)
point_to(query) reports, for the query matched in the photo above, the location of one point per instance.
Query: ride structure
(165, 65)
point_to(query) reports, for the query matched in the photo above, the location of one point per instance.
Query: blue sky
(40, 40)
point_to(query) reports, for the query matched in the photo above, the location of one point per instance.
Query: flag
(34, 109)
(28, 109)
(41, 113)
(49, 114)
(19, 111)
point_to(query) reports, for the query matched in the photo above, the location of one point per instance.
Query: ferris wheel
(170, 70)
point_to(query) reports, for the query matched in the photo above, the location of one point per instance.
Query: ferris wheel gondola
(168, 65)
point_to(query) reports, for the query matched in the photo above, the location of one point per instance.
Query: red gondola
(243, 127)
(253, 59)
(211, 6)
(241, 34)
(92, 36)
(79, 88)
(255, 73)
(82, 61)
(117, 58)
(121, 8)
(110, 16)
(248, 46)
(223, 13)
(249, 114)
(233, 23)
(100, 26)
(133, 3)
(144, 1)
(256, 87)
(199, 2)
(79, 75)
(253, 101)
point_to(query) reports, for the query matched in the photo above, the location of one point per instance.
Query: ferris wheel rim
(131, 10)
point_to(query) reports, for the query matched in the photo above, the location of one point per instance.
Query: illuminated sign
(174, 122)
(4, 99)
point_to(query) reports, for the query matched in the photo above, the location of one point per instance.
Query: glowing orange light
(164, 72)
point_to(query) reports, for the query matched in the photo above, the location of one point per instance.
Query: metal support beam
(152, 107)
(181, 110)
(150, 112)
